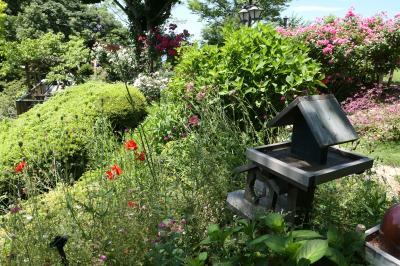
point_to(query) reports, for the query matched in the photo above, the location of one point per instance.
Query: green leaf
(275, 221)
(206, 241)
(289, 79)
(305, 234)
(312, 250)
(276, 243)
(213, 228)
(336, 256)
(203, 256)
(334, 238)
(259, 240)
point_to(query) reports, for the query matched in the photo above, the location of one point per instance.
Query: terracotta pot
(390, 228)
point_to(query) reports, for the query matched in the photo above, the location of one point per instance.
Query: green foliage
(260, 241)
(39, 57)
(256, 72)
(3, 18)
(222, 12)
(9, 93)
(167, 123)
(70, 18)
(188, 179)
(73, 56)
(57, 134)
(350, 201)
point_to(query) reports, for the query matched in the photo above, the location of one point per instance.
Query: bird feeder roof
(323, 115)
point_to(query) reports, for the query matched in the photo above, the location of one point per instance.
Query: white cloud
(316, 8)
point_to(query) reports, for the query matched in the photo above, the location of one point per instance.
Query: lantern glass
(244, 15)
(255, 13)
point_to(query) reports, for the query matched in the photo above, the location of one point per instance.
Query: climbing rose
(20, 167)
(131, 145)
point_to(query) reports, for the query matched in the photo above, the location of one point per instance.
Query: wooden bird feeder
(294, 169)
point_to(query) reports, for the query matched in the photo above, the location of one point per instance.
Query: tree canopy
(221, 12)
(69, 17)
(143, 15)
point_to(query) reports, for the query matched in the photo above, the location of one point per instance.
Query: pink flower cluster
(166, 43)
(356, 47)
(375, 111)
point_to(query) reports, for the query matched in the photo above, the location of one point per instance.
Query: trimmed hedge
(57, 134)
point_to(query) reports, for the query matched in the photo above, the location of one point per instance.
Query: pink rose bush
(353, 50)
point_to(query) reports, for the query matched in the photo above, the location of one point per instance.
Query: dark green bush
(57, 134)
(256, 72)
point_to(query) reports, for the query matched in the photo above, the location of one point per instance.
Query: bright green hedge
(256, 73)
(57, 134)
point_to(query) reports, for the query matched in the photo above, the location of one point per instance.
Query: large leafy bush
(255, 72)
(59, 133)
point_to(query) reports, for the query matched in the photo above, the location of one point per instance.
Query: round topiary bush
(57, 136)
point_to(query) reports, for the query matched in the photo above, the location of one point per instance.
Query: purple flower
(15, 209)
(162, 225)
(194, 120)
(103, 258)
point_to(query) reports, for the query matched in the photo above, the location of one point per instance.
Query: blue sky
(308, 9)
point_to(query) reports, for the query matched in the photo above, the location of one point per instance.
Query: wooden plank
(279, 168)
(342, 170)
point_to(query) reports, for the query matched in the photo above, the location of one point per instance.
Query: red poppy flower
(110, 175)
(115, 168)
(132, 204)
(20, 167)
(131, 145)
(141, 156)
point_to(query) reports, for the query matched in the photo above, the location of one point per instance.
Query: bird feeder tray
(278, 160)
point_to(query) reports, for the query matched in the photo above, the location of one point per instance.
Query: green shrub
(256, 72)
(350, 201)
(57, 134)
(9, 93)
(268, 241)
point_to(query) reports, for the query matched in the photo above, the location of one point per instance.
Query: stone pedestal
(242, 207)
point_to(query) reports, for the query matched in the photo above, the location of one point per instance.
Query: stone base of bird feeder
(238, 203)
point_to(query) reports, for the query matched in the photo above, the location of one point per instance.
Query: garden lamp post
(250, 13)
(285, 21)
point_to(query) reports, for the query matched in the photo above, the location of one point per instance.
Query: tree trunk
(391, 73)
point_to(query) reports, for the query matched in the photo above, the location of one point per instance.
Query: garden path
(390, 175)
